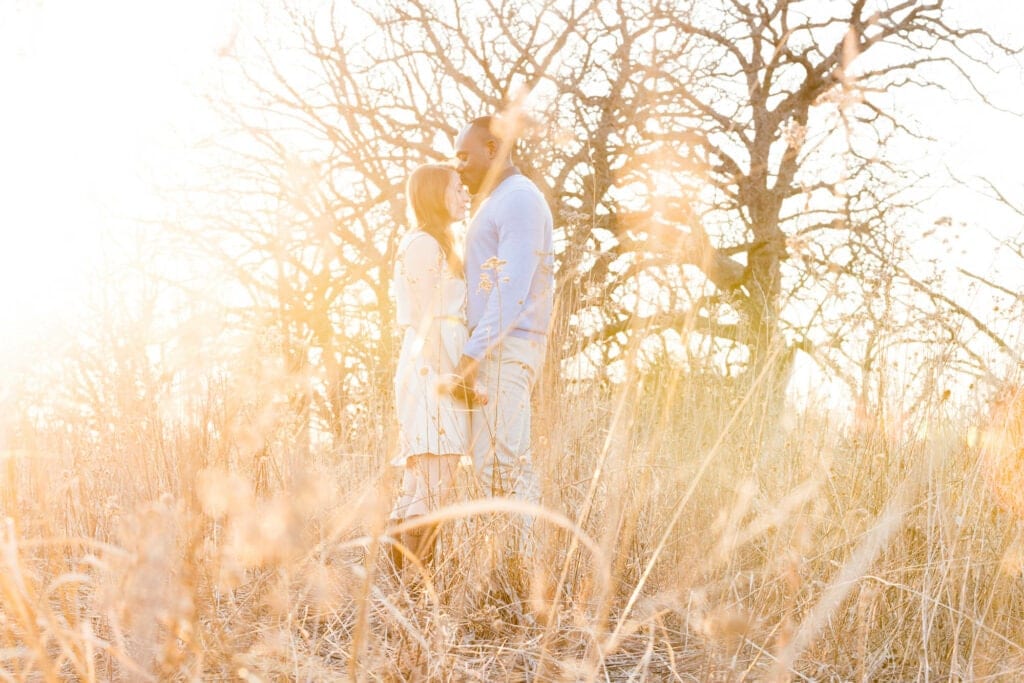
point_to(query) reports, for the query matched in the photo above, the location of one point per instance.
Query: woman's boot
(395, 555)
(421, 542)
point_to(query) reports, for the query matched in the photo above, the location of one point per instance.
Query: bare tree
(721, 171)
(677, 134)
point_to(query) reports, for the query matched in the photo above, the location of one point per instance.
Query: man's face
(475, 151)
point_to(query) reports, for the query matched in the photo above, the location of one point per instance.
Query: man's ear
(492, 148)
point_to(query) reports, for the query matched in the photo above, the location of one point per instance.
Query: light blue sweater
(509, 267)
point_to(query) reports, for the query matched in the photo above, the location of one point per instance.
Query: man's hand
(463, 385)
(466, 370)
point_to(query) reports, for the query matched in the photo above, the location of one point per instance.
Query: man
(510, 278)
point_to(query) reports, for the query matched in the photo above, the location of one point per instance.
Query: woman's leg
(436, 473)
(427, 484)
(409, 491)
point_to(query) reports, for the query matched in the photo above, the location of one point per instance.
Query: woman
(430, 293)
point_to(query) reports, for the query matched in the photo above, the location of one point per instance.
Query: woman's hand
(462, 383)
(453, 384)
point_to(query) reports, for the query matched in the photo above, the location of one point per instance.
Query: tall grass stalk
(690, 529)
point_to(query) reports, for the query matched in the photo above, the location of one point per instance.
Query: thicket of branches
(728, 180)
(723, 176)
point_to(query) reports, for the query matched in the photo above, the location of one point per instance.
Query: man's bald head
(483, 126)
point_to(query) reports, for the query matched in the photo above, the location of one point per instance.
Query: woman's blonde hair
(425, 192)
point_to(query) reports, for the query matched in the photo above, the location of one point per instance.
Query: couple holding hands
(474, 328)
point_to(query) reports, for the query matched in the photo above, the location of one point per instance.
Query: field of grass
(687, 533)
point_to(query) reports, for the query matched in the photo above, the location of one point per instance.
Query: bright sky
(97, 97)
(100, 97)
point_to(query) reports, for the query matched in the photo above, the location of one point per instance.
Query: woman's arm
(422, 265)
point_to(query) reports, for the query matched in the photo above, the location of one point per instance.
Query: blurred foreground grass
(690, 531)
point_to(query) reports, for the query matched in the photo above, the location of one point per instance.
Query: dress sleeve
(423, 268)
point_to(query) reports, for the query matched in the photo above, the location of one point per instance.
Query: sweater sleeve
(506, 279)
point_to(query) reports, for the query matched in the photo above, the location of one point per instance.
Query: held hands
(463, 385)
(453, 385)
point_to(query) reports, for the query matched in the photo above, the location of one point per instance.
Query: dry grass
(688, 533)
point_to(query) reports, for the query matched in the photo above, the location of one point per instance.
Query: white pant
(500, 430)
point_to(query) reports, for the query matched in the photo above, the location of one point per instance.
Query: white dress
(431, 311)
